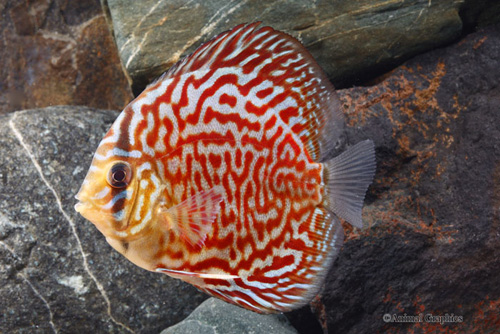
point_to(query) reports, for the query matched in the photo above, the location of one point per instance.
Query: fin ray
(329, 230)
(192, 219)
(348, 177)
(181, 274)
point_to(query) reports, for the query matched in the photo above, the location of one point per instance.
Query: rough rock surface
(58, 52)
(479, 14)
(347, 38)
(433, 242)
(215, 316)
(57, 273)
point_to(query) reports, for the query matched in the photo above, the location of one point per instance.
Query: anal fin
(195, 278)
(181, 274)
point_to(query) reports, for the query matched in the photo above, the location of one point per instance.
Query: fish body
(218, 173)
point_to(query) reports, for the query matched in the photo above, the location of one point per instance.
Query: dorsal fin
(212, 54)
(298, 91)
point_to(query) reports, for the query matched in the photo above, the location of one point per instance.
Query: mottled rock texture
(58, 52)
(215, 316)
(345, 37)
(432, 245)
(57, 273)
(351, 40)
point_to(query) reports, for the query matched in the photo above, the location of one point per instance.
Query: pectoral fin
(192, 219)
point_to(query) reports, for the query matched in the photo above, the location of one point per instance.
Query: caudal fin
(348, 177)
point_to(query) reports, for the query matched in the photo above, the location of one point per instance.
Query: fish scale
(222, 173)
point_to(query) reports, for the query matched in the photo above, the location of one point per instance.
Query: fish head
(115, 194)
(107, 195)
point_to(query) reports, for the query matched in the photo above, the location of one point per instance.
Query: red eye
(120, 175)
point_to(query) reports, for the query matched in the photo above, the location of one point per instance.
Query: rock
(432, 245)
(57, 273)
(479, 13)
(215, 316)
(349, 39)
(58, 52)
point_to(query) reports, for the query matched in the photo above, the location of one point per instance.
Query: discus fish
(219, 173)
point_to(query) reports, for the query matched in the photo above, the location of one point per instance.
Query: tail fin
(347, 179)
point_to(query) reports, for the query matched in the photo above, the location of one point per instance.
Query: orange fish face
(115, 195)
(107, 195)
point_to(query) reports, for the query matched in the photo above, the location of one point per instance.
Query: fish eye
(119, 175)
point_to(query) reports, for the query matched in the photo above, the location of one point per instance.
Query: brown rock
(432, 247)
(104, 85)
(58, 52)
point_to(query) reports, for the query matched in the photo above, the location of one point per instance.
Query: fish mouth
(79, 205)
(82, 207)
(107, 223)
(82, 204)
(87, 209)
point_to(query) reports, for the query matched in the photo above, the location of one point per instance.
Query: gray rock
(347, 38)
(57, 273)
(217, 317)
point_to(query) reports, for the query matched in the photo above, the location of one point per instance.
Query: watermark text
(423, 317)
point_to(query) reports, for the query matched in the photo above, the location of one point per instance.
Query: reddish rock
(58, 52)
(432, 245)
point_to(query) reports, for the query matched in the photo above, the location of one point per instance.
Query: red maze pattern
(236, 119)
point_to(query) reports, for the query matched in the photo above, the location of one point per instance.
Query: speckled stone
(217, 317)
(57, 273)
